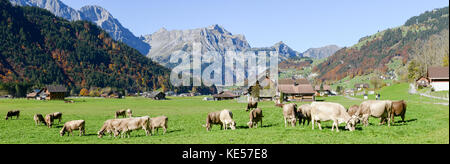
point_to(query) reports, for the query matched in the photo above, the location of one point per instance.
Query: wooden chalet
(296, 89)
(55, 92)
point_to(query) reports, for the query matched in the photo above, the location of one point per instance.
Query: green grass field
(426, 122)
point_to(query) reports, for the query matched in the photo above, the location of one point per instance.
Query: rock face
(54, 6)
(106, 21)
(284, 51)
(320, 53)
(214, 38)
(95, 14)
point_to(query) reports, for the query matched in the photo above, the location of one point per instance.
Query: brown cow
(398, 109)
(12, 113)
(252, 105)
(255, 116)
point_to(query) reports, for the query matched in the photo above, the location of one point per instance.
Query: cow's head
(293, 121)
(250, 124)
(351, 123)
(233, 125)
(62, 132)
(207, 126)
(100, 134)
(6, 118)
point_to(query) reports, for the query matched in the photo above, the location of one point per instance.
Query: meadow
(426, 122)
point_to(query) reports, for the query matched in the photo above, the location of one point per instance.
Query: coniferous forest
(38, 48)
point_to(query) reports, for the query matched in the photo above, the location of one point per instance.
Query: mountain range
(160, 44)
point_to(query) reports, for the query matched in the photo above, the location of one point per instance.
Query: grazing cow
(375, 108)
(70, 126)
(49, 120)
(120, 113)
(255, 115)
(290, 114)
(38, 118)
(223, 118)
(226, 117)
(109, 127)
(398, 109)
(158, 122)
(304, 114)
(12, 113)
(129, 113)
(252, 104)
(127, 125)
(326, 111)
(211, 119)
(57, 115)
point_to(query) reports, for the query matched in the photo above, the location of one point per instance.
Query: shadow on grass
(403, 123)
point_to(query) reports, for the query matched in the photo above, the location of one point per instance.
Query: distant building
(296, 89)
(361, 86)
(423, 82)
(35, 94)
(156, 95)
(55, 92)
(225, 95)
(439, 78)
(325, 91)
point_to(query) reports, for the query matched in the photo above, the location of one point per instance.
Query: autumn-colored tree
(84, 92)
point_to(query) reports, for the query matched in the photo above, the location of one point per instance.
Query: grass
(426, 122)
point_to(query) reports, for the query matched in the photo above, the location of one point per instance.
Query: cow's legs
(318, 123)
(285, 122)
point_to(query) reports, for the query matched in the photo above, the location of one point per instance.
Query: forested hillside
(416, 39)
(39, 48)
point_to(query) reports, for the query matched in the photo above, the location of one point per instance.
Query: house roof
(325, 88)
(286, 82)
(296, 89)
(301, 81)
(225, 94)
(56, 88)
(438, 72)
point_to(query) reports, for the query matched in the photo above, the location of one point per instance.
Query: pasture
(426, 122)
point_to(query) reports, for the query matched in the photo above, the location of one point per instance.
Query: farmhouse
(224, 95)
(55, 92)
(299, 90)
(325, 91)
(361, 86)
(35, 94)
(439, 78)
(156, 95)
(423, 82)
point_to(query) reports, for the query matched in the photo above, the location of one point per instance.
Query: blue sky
(301, 24)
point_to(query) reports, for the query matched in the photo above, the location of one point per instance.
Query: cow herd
(123, 126)
(316, 112)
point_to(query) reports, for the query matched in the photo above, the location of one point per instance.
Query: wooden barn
(226, 95)
(55, 92)
(157, 95)
(439, 78)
